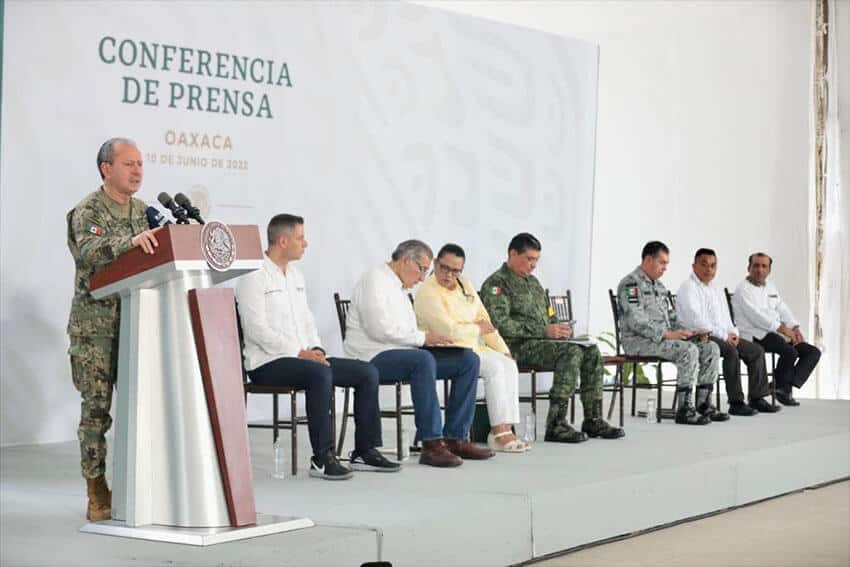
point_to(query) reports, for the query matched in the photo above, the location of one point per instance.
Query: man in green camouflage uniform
(520, 310)
(104, 225)
(649, 327)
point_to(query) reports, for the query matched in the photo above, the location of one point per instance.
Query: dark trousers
(421, 368)
(317, 380)
(753, 356)
(796, 362)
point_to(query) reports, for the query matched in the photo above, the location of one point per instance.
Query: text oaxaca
(185, 94)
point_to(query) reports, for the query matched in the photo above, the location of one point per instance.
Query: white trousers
(501, 389)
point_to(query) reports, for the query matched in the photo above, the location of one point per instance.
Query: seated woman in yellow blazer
(447, 304)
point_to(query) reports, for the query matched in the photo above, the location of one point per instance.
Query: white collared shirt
(381, 316)
(276, 320)
(704, 307)
(759, 310)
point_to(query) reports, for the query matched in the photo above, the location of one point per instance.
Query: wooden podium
(181, 456)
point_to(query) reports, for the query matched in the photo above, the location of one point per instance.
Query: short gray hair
(412, 249)
(106, 153)
(282, 223)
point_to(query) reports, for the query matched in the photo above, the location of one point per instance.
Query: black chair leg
(658, 406)
(622, 389)
(773, 378)
(333, 412)
(613, 396)
(344, 424)
(534, 400)
(399, 441)
(294, 434)
(573, 408)
(634, 387)
(615, 389)
(275, 421)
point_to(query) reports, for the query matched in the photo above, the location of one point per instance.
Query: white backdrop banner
(377, 122)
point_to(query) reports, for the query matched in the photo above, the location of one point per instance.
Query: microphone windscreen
(182, 200)
(164, 199)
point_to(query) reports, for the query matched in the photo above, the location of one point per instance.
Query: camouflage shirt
(518, 306)
(99, 230)
(645, 308)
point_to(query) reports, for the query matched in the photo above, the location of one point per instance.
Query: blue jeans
(421, 368)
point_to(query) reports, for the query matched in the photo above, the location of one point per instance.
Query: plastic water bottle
(279, 470)
(405, 444)
(529, 435)
(650, 409)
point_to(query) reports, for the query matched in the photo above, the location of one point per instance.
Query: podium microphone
(176, 210)
(193, 212)
(155, 218)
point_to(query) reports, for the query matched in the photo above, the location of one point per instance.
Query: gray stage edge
(500, 512)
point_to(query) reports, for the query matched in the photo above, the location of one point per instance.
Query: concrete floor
(809, 528)
(498, 512)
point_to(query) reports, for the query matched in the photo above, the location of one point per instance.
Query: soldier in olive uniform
(101, 227)
(520, 310)
(649, 327)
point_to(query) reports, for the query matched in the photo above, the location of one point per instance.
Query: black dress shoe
(786, 399)
(763, 406)
(688, 416)
(740, 408)
(711, 413)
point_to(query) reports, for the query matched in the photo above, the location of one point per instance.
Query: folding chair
(277, 424)
(342, 308)
(563, 307)
(635, 359)
(770, 373)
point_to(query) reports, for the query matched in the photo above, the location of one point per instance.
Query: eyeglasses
(451, 271)
(422, 270)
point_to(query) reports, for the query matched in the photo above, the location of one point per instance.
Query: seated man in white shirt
(701, 305)
(381, 328)
(282, 347)
(764, 318)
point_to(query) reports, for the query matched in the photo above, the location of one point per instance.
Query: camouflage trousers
(94, 368)
(568, 362)
(695, 362)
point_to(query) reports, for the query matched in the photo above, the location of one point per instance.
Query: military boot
(685, 414)
(100, 499)
(558, 429)
(595, 426)
(704, 405)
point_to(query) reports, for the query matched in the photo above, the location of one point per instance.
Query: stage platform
(500, 512)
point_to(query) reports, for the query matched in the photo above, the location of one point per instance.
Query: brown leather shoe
(466, 450)
(100, 499)
(436, 454)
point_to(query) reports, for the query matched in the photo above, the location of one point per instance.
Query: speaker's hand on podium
(146, 240)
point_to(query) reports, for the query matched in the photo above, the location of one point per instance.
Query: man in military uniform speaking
(104, 225)
(519, 309)
(649, 327)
